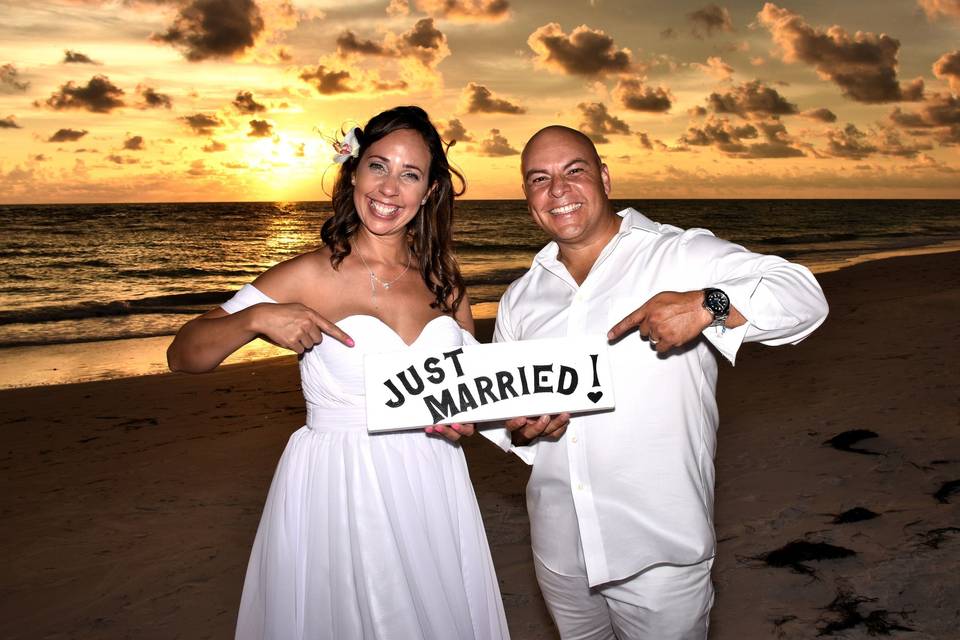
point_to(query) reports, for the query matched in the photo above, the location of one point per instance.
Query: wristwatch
(718, 303)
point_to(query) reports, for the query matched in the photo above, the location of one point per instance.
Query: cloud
(202, 123)
(633, 94)
(199, 168)
(424, 42)
(778, 143)
(476, 98)
(206, 29)
(75, 57)
(455, 131)
(348, 43)
(936, 8)
(398, 8)
(863, 65)
(730, 139)
(117, 159)
(328, 81)
(751, 98)
(939, 110)
(9, 123)
(417, 51)
(98, 96)
(949, 137)
(947, 67)
(597, 122)
(939, 116)
(710, 19)
(720, 133)
(585, 52)
(496, 145)
(8, 80)
(244, 103)
(644, 140)
(260, 129)
(214, 147)
(715, 67)
(466, 10)
(822, 114)
(850, 142)
(153, 100)
(134, 143)
(67, 135)
(669, 34)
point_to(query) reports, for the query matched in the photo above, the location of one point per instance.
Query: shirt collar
(632, 219)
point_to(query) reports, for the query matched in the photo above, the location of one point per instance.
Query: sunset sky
(223, 100)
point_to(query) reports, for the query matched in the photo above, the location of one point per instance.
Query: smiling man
(621, 502)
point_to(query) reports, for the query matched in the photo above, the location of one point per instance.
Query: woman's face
(391, 182)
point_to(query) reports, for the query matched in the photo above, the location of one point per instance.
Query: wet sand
(129, 506)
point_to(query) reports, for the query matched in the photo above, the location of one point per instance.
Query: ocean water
(82, 273)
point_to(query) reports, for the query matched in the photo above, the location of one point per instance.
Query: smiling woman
(343, 500)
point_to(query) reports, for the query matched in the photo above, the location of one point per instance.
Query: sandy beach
(129, 506)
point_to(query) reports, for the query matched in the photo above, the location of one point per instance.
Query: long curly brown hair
(430, 232)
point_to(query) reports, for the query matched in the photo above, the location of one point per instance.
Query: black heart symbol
(595, 396)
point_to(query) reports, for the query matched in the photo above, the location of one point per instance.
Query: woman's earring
(353, 180)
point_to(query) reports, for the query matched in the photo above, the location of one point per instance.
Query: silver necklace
(375, 279)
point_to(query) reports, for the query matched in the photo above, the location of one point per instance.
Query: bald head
(557, 134)
(567, 188)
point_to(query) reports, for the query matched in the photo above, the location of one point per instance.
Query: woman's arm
(204, 342)
(464, 316)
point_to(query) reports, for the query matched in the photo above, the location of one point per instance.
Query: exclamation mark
(595, 395)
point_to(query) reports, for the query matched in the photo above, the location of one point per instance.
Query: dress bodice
(332, 373)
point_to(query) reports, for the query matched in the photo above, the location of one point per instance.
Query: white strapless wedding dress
(367, 536)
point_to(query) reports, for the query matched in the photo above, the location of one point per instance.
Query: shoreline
(131, 504)
(136, 357)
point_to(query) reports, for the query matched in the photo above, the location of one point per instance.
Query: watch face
(717, 302)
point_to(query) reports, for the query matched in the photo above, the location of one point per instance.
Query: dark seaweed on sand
(845, 441)
(795, 554)
(857, 514)
(936, 537)
(946, 490)
(847, 606)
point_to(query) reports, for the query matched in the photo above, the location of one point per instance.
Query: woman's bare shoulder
(286, 281)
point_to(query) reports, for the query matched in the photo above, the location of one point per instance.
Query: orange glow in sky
(169, 100)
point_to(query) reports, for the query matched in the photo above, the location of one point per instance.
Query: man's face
(566, 187)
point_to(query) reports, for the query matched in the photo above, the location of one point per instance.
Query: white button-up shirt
(624, 490)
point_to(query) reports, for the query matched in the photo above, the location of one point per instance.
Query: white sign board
(415, 388)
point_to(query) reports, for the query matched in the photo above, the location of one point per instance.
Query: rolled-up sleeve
(782, 301)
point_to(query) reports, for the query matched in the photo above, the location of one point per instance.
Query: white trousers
(662, 603)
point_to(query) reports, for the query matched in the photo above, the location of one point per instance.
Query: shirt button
(573, 439)
(579, 487)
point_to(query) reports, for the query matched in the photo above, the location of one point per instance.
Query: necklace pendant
(386, 286)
